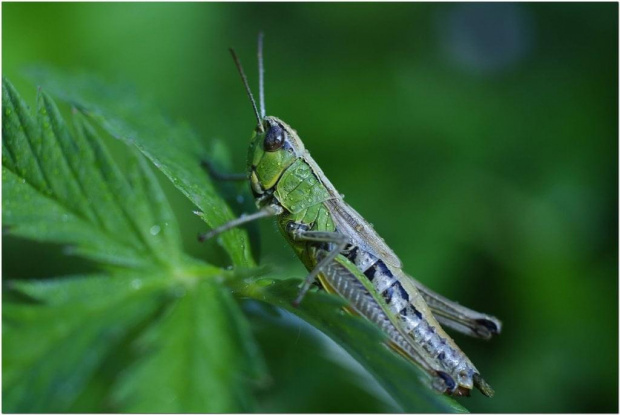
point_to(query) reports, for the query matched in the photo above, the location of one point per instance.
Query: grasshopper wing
(456, 316)
(351, 223)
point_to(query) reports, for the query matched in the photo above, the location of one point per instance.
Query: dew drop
(136, 284)
(265, 282)
(155, 229)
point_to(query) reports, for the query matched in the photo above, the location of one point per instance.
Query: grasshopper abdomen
(418, 324)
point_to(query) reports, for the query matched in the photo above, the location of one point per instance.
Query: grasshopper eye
(274, 138)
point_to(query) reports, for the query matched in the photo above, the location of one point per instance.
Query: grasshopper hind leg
(348, 284)
(462, 319)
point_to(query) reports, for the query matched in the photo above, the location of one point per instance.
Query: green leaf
(61, 335)
(143, 201)
(198, 357)
(65, 188)
(188, 356)
(51, 350)
(405, 382)
(172, 146)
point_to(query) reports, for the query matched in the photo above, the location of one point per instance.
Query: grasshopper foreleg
(230, 177)
(335, 240)
(265, 212)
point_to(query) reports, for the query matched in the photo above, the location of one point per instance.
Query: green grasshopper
(349, 258)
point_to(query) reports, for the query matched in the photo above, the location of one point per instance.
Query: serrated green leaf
(51, 350)
(63, 187)
(19, 132)
(363, 341)
(172, 146)
(196, 358)
(28, 213)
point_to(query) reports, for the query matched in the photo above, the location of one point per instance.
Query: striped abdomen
(413, 321)
(341, 281)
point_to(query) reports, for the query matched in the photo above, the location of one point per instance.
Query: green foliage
(54, 347)
(491, 168)
(185, 347)
(155, 330)
(65, 188)
(172, 147)
(62, 186)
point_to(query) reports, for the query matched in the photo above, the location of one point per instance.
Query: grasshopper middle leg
(217, 175)
(265, 212)
(337, 242)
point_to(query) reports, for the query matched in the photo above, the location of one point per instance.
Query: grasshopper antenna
(247, 88)
(261, 76)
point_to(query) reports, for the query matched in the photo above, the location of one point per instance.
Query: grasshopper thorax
(274, 147)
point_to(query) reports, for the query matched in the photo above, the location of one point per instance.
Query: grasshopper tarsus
(483, 386)
(490, 325)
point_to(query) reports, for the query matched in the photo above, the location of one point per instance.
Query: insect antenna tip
(246, 84)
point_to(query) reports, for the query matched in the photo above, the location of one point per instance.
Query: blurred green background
(481, 140)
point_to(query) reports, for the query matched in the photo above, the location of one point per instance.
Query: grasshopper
(349, 258)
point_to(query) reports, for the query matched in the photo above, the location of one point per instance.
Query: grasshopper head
(274, 147)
